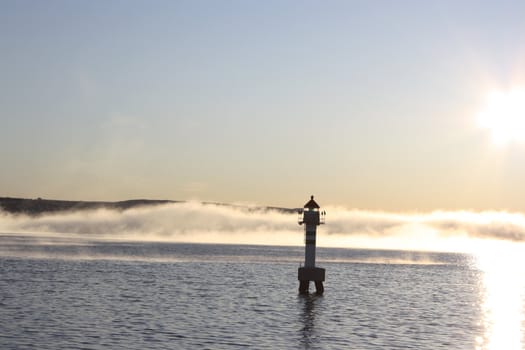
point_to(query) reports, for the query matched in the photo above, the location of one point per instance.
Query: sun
(504, 116)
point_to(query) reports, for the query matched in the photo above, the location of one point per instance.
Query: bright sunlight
(503, 290)
(504, 116)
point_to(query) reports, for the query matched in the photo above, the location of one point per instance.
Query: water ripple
(232, 303)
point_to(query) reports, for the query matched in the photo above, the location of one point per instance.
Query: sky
(367, 104)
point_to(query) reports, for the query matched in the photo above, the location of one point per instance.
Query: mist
(195, 222)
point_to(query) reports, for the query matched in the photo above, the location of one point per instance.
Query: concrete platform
(316, 274)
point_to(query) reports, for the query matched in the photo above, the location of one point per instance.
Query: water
(59, 293)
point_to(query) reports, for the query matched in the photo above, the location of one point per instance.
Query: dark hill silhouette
(41, 206)
(45, 206)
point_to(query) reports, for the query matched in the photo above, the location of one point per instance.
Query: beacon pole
(311, 217)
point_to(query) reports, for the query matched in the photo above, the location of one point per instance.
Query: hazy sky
(367, 104)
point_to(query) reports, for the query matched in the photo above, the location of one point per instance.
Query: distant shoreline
(46, 206)
(40, 206)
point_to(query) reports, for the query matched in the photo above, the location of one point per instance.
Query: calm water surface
(58, 294)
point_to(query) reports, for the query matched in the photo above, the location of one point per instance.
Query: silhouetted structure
(311, 216)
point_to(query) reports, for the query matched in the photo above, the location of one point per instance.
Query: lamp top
(311, 204)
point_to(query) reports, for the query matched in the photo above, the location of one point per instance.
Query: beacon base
(307, 274)
(311, 274)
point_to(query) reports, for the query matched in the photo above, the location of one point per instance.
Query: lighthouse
(311, 216)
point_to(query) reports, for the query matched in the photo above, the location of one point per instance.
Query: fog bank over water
(210, 223)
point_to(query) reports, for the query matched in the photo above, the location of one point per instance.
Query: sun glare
(504, 116)
(503, 291)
